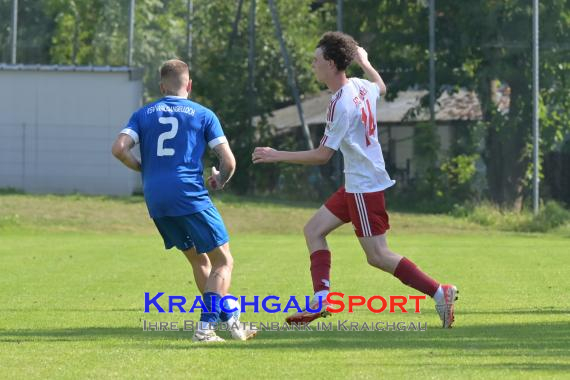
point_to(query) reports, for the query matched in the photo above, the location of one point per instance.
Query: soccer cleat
(239, 331)
(309, 316)
(446, 308)
(206, 337)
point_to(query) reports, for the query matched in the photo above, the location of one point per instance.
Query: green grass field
(74, 271)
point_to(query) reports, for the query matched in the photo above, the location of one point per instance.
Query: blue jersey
(173, 133)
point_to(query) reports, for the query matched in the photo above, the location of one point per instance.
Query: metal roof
(135, 73)
(104, 69)
(462, 105)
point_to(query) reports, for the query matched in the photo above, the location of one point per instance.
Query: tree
(95, 32)
(479, 42)
(35, 28)
(221, 74)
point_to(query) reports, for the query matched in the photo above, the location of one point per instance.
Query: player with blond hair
(173, 133)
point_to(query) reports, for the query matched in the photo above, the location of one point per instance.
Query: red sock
(411, 275)
(321, 270)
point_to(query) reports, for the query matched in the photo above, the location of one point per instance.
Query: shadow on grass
(543, 311)
(533, 339)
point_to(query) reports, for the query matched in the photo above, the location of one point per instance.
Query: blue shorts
(204, 230)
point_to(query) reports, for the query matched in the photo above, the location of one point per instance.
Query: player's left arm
(218, 142)
(317, 156)
(218, 179)
(122, 151)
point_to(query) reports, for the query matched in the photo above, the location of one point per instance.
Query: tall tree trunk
(506, 155)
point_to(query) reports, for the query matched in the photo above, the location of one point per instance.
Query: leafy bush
(10, 191)
(458, 174)
(551, 216)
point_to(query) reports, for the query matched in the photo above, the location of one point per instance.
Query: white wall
(403, 144)
(57, 128)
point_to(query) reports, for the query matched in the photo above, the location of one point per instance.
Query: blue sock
(211, 300)
(224, 317)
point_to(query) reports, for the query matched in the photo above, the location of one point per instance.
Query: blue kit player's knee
(205, 230)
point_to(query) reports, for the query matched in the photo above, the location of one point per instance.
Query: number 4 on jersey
(368, 121)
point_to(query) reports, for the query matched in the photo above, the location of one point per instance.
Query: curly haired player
(351, 127)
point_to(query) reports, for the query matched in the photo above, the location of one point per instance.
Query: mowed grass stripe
(72, 302)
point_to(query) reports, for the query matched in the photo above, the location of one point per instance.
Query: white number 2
(160, 149)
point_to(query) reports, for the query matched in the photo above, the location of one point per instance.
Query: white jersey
(351, 125)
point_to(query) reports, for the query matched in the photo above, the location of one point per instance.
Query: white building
(396, 124)
(57, 125)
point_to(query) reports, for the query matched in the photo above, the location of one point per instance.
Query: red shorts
(366, 211)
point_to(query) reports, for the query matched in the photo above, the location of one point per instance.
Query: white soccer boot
(240, 331)
(446, 307)
(206, 337)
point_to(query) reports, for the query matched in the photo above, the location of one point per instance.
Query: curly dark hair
(339, 47)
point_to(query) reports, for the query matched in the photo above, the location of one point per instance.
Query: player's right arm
(122, 151)
(334, 133)
(317, 156)
(361, 59)
(126, 140)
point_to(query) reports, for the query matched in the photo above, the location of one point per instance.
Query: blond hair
(174, 75)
